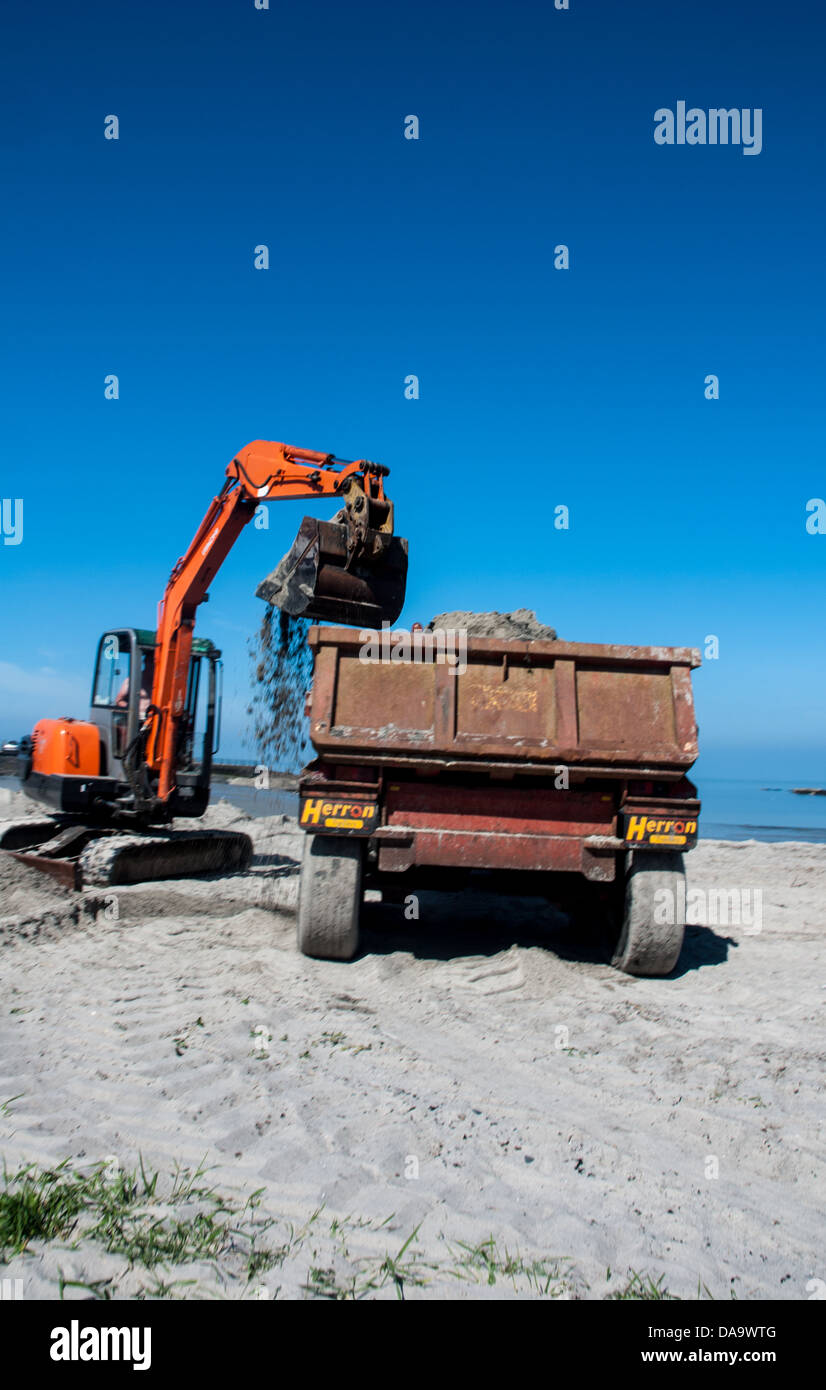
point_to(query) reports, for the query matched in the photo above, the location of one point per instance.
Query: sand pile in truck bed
(521, 625)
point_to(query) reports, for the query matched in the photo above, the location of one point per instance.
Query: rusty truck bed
(524, 706)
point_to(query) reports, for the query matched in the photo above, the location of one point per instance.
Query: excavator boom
(349, 585)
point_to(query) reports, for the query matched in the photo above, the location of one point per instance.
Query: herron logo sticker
(659, 830)
(345, 817)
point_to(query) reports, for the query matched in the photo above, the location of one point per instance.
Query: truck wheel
(654, 889)
(330, 897)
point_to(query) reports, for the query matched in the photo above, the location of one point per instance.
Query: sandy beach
(480, 1077)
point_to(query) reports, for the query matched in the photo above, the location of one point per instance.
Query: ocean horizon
(746, 808)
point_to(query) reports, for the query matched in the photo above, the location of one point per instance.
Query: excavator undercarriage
(80, 855)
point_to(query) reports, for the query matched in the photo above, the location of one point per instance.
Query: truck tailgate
(520, 705)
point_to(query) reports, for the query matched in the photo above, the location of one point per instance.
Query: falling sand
(282, 669)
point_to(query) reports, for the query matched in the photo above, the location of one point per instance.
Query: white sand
(479, 1072)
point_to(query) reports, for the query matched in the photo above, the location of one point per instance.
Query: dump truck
(525, 758)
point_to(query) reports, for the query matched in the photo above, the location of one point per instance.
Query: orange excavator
(135, 762)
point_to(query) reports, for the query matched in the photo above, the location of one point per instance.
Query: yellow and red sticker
(353, 817)
(659, 830)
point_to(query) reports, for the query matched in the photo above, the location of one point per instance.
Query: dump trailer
(523, 758)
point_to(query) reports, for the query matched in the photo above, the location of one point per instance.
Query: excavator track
(24, 834)
(80, 856)
(119, 859)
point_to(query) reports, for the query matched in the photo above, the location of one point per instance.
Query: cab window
(112, 675)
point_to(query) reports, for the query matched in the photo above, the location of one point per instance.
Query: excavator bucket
(330, 575)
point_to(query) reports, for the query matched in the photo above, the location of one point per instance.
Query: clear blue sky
(435, 257)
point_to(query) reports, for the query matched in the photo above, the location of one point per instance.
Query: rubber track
(17, 834)
(117, 859)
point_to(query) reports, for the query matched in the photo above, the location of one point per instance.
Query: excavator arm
(336, 570)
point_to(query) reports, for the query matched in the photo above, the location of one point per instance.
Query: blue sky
(388, 256)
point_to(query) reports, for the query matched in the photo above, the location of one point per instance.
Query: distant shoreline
(240, 774)
(221, 772)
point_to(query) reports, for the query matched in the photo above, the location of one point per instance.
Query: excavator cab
(84, 766)
(350, 570)
(121, 696)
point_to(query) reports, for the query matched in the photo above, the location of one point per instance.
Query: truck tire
(647, 945)
(330, 894)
